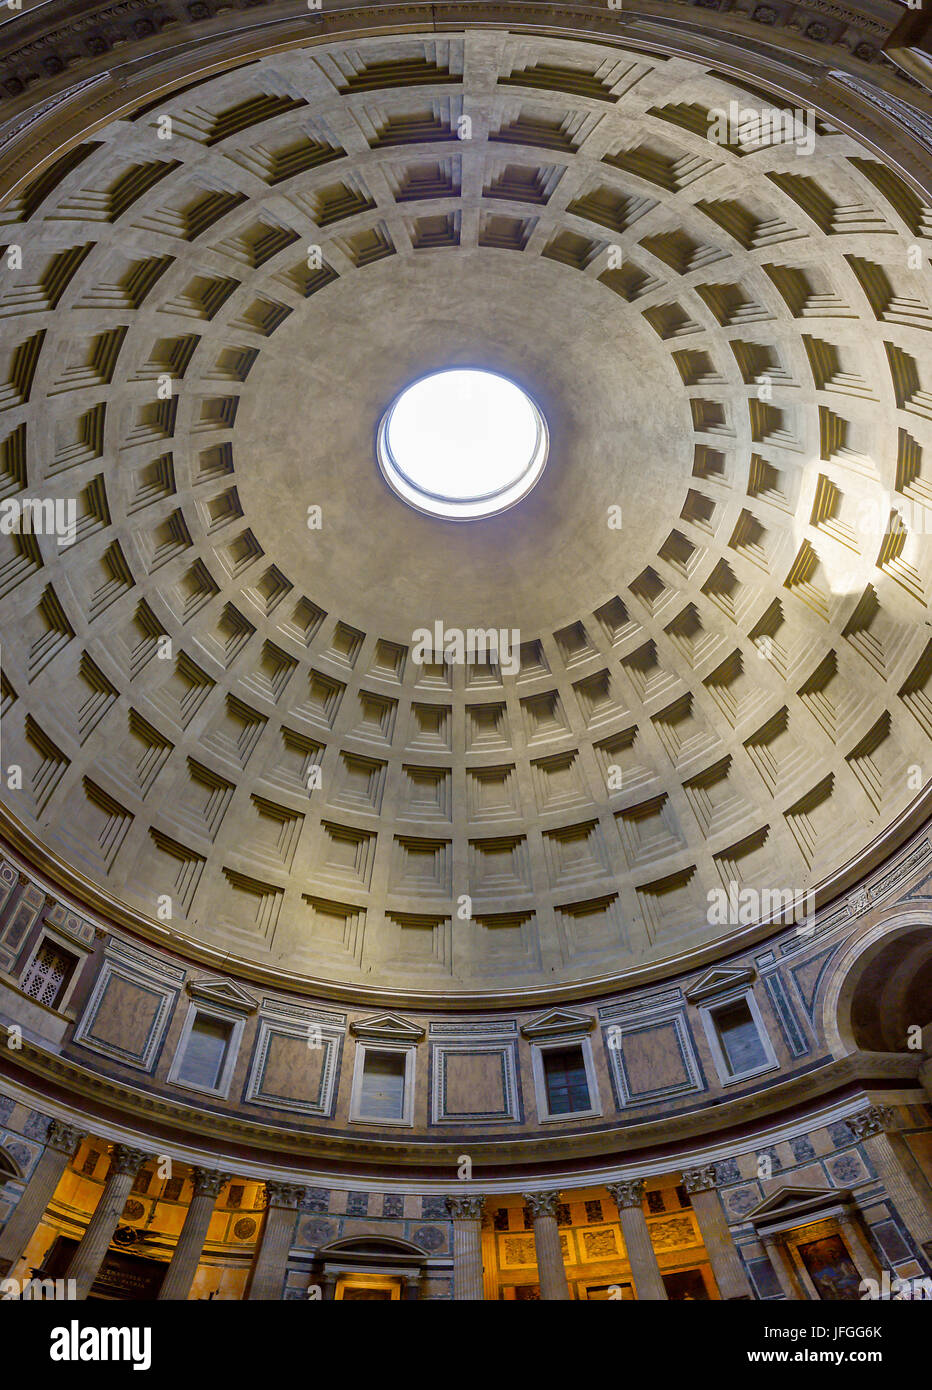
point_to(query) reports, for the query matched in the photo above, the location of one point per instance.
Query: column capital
(541, 1203)
(700, 1179)
(208, 1181)
(468, 1207)
(875, 1119)
(126, 1159)
(627, 1193)
(64, 1137)
(283, 1194)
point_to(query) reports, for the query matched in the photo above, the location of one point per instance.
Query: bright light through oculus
(462, 444)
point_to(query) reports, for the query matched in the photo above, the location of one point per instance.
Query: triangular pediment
(387, 1028)
(786, 1201)
(558, 1022)
(719, 980)
(225, 992)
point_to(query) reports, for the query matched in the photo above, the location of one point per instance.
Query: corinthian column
(60, 1146)
(550, 1269)
(271, 1257)
(887, 1153)
(925, 1074)
(466, 1212)
(180, 1276)
(782, 1266)
(730, 1274)
(86, 1261)
(629, 1197)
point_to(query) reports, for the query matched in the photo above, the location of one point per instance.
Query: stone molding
(231, 1131)
(50, 46)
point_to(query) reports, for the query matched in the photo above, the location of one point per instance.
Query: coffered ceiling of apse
(752, 659)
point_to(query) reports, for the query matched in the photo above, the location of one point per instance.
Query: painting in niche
(357, 1293)
(831, 1269)
(686, 1286)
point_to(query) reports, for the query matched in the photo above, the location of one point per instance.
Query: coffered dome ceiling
(730, 686)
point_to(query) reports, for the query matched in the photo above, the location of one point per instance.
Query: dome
(710, 643)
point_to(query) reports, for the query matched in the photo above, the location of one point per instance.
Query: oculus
(462, 444)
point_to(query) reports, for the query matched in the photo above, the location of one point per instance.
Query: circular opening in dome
(462, 444)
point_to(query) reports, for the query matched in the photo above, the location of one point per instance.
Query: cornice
(735, 42)
(227, 1134)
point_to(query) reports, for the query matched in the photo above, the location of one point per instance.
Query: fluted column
(629, 1198)
(860, 1250)
(730, 1274)
(125, 1163)
(271, 1258)
(551, 1272)
(190, 1245)
(466, 1212)
(489, 1262)
(60, 1145)
(870, 1128)
(782, 1265)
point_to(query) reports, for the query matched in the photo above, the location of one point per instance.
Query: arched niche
(370, 1266)
(9, 1168)
(881, 985)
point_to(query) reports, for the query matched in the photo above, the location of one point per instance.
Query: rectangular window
(383, 1086)
(205, 1052)
(741, 1042)
(565, 1079)
(48, 974)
